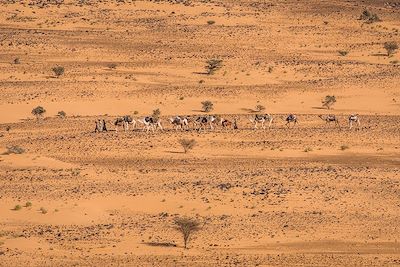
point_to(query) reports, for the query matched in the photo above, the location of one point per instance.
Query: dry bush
(187, 144)
(369, 17)
(329, 101)
(43, 210)
(187, 227)
(14, 150)
(391, 47)
(112, 66)
(260, 108)
(58, 71)
(343, 53)
(344, 147)
(213, 65)
(207, 106)
(38, 112)
(61, 114)
(17, 207)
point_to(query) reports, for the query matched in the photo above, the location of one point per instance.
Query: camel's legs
(270, 122)
(160, 126)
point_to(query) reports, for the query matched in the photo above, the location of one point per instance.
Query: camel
(291, 118)
(124, 122)
(330, 118)
(179, 122)
(258, 118)
(203, 121)
(354, 118)
(150, 123)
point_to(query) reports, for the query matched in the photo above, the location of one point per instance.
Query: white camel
(353, 118)
(258, 118)
(149, 123)
(201, 122)
(179, 122)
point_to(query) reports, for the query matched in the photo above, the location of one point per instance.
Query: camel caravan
(210, 122)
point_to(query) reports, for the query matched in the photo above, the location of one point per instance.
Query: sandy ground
(312, 195)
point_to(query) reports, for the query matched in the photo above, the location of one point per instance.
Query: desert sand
(306, 195)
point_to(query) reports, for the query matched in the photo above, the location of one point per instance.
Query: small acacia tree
(213, 65)
(391, 47)
(187, 227)
(207, 106)
(58, 71)
(187, 144)
(38, 112)
(329, 101)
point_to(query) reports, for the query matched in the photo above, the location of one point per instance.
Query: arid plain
(309, 195)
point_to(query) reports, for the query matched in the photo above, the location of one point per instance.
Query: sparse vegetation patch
(187, 144)
(186, 226)
(207, 106)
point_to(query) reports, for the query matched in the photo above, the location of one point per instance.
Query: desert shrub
(187, 227)
(391, 47)
(112, 66)
(187, 144)
(213, 65)
(260, 108)
(207, 106)
(308, 149)
(17, 60)
(8, 128)
(369, 17)
(17, 207)
(58, 71)
(344, 147)
(28, 204)
(43, 210)
(38, 112)
(210, 22)
(343, 53)
(156, 114)
(61, 114)
(14, 150)
(136, 112)
(329, 101)
(270, 69)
